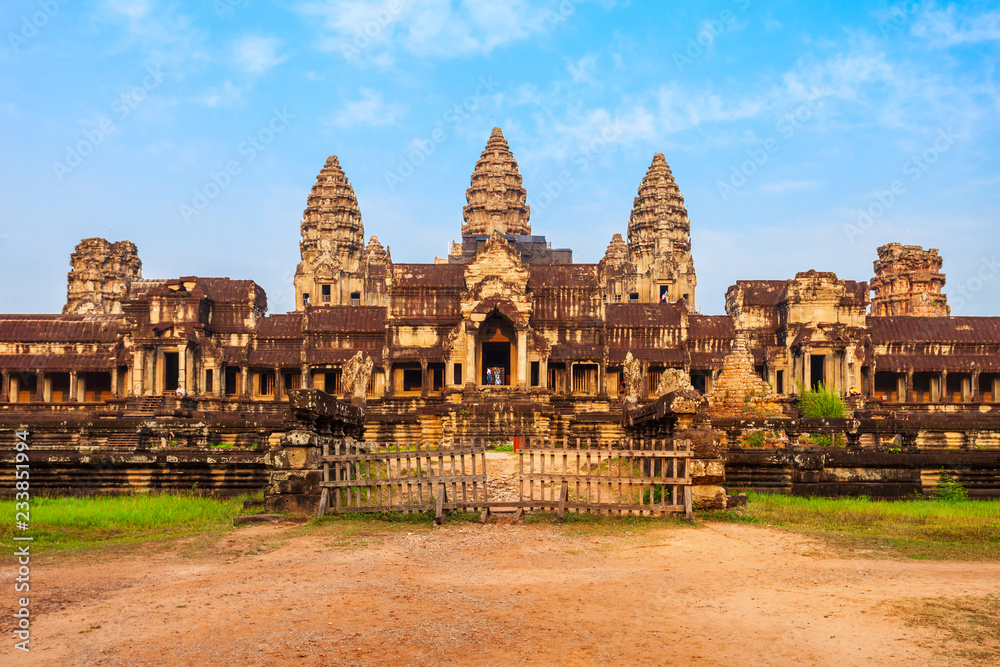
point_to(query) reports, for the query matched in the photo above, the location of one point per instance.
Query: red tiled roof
(346, 319)
(901, 363)
(571, 352)
(271, 358)
(280, 326)
(711, 326)
(548, 276)
(644, 314)
(429, 275)
(56, 362)
(60, 328)
(934, 329)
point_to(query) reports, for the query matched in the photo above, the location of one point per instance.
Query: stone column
(602, 379)
(942, 393)
(244, 382)
(220, 386)
(522, 359)
(390, 379)
(4, 386)
(278, 384)
(40, 387)
(424, 379)
(114, 382)
(135, 380)
(806, 371)
(569, 378)
(470, 358)
(149, 373)
(976, 397)
(181, 371)
(543, 372)
(74, 386)
(909, 386)
(306, 376)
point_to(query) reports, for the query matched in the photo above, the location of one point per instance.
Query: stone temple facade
(503, 337)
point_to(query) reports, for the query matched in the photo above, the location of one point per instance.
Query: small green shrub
(822, 402)
(949, 489)
(756, 439)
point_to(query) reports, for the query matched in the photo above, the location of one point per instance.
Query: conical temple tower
(498, 204)
(332, 242)
(497, 200)
(659, 238)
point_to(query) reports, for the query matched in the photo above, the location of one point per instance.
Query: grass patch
(915, 529)
(972, 623)
(71, 523)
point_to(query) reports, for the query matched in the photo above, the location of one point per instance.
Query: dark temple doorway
(171, 373)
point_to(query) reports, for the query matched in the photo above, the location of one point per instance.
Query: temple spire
(333, 239)
(496, 198)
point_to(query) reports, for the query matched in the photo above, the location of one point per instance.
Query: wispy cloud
(256, 54)
(950, 27)
(225, 94)
(371, 110)
(372, 31)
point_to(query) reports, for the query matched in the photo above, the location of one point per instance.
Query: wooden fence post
(563, 496)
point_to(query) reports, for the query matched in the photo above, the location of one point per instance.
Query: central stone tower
(659, 238)
(497, 204)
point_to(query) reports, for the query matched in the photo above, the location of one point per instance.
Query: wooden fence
(368, 477)
(630, 477)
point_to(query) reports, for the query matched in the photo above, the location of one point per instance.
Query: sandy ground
(466, 593)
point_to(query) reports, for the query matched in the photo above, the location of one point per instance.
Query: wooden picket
(630, 477)
(369, 477)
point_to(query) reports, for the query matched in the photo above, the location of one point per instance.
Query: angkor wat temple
(505, 336)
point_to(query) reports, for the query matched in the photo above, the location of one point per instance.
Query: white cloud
(372, 31)
(220, 96)
(583, 69)
(256, 55)
(371, 109)
(950, 27)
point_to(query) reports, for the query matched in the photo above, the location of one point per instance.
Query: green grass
(68, 523)
(915, 529)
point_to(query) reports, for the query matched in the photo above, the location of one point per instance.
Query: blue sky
(803, 135)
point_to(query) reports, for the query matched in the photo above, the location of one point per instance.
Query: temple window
(355, 298)
(325, 293)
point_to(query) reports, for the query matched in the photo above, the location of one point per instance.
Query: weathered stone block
(708, 497)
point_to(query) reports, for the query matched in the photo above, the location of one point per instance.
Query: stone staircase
(123, 440)
(147, 407)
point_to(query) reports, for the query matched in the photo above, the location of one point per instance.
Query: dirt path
(494, 594)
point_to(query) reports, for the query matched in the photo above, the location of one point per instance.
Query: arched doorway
(497, 350)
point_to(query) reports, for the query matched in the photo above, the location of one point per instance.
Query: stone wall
(105, 471)
(817, 471)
